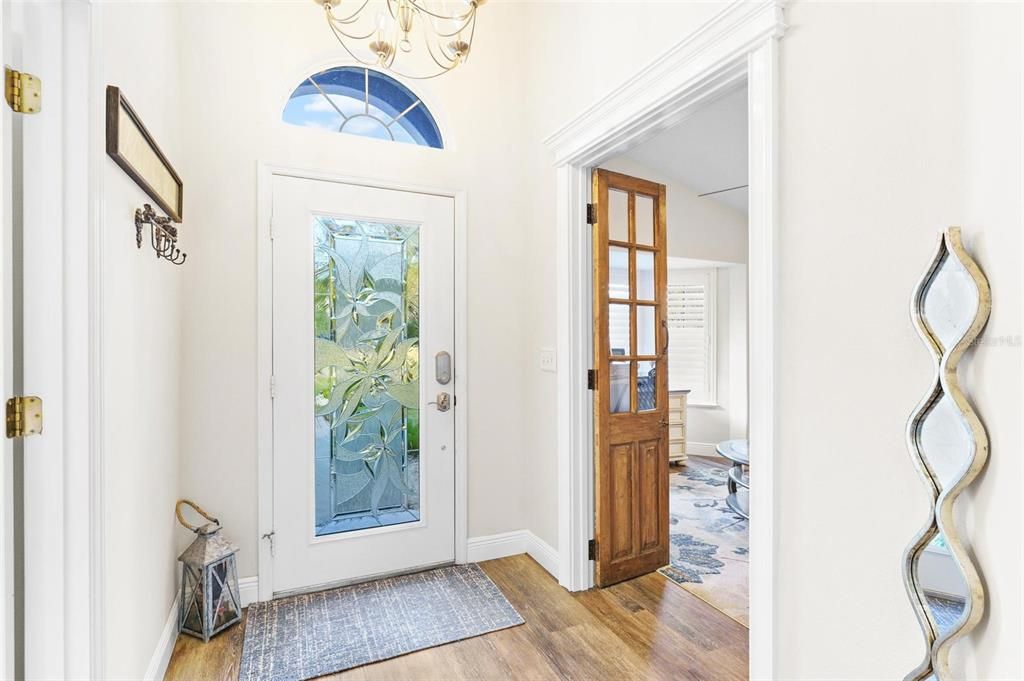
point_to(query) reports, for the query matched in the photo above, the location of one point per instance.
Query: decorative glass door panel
(366, 374)
(363, 421)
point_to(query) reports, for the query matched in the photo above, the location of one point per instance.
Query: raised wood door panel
(631, 400)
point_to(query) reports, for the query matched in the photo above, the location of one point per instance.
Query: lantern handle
(197, 509)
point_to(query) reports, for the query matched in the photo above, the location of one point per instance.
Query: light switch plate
(547, 359)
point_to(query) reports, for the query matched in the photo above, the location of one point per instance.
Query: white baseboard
(248, 590)
(543, 553)
(701, 449)
(496, 546)
(164, 646)
(512, 544)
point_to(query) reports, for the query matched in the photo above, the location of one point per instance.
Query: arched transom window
(360, 101)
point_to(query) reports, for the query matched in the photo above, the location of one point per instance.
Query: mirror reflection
(943, 584)
(946, 441)
(951, 302)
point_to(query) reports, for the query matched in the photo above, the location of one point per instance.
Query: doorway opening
(739, 44)
(700, 343)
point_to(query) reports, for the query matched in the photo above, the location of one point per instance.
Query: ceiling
(707, 151)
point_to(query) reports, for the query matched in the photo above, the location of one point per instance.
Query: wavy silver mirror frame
(950, 251)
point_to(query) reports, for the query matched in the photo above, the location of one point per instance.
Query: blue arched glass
(360, 101)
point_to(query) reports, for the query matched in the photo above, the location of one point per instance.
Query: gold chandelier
(448, 37)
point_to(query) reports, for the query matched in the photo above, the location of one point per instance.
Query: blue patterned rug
(709, 543)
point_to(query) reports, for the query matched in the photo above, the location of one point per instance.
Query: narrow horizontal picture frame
(137, 153)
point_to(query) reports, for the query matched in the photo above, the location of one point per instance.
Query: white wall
(141, 346)
(897, 120)
(243, 61)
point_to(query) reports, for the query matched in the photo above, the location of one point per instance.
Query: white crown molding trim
(164, 645)
(734, 32)
(505, 544)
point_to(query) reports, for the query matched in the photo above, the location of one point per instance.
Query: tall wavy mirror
(948, 444)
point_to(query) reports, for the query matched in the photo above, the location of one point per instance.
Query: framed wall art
(134, 149)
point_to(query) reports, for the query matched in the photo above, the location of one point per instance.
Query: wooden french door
(631, 401)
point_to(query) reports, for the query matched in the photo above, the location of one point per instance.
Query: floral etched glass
(366, 374)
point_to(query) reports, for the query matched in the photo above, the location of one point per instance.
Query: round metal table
(739, 478)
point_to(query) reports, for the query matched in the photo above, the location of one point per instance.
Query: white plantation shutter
(618, 320)
(691, 334)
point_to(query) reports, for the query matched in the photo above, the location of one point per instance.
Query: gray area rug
(301, 637)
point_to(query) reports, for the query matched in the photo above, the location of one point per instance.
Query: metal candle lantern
(209, 580)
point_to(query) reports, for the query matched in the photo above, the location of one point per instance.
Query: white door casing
(302, 560)
(50, 306)
(736, 47)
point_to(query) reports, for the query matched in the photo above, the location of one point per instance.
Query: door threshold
(360, 580)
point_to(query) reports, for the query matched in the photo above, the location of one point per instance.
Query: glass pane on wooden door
(366, 380)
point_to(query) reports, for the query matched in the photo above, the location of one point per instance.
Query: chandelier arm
(422, 8)
(472, 32)
(444, 69)
(456, 32)
(346, 20)
(333, 24)
(350, 52)
(452, 62)
(464, 22)
(391, 59)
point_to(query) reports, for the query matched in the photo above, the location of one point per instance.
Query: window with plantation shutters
(618, 318)
(691, 333)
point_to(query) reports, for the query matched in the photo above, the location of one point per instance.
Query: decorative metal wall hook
(163, 234)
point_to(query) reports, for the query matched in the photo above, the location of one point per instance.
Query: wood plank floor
(646, 628)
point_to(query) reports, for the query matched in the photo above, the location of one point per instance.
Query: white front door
(364, 438)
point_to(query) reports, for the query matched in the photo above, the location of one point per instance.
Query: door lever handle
(443, 402)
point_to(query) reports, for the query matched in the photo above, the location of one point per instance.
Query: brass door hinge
(24, 416)
(24, 91)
